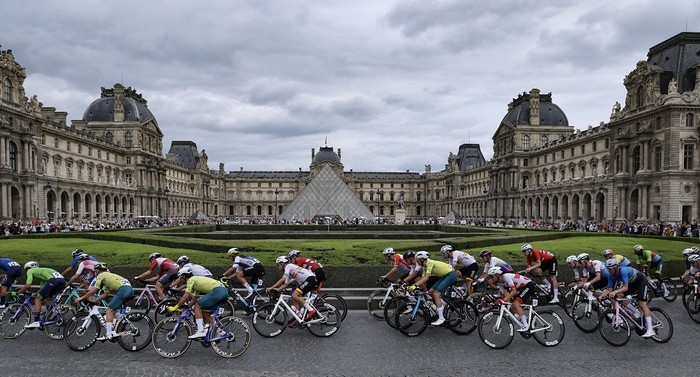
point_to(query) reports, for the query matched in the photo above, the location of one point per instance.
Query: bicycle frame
(531, 313)
(147, 293)
(188, 315)
(621, 311)
(73, 294)
(282, 304)
(42, 319)
(97, 310)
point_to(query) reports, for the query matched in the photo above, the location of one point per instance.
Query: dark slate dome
(326, 154)
(102, 109)
(550, 114)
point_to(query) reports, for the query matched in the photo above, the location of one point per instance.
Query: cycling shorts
(469, 272)
(254, 272)
(52, 287)
(168, 277)
(445, 282)
(551, 266)
(11, 276)
(600, 284)
(656, 266)
(307, 285)
(320, 275)
(213, 299)
(525, 295)
(123, 294)
(639, 289)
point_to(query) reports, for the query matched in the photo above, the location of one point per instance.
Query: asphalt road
(366, 347)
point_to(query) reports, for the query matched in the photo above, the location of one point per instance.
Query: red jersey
(164, 263)
(397, 261)
(539, 256)
(308, 264)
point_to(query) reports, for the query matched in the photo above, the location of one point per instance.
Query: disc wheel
(136, 329)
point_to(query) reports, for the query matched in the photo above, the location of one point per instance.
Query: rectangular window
(572, 151)
(688, 153)
(90, 151)
(607, 143)
(595, 146)
(128, 159)
(583, 149)
(657, 158)
(68, 146)
(554, 157)
(524, 161)
(562, 154)
(55, 142)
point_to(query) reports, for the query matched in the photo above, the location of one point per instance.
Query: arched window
(526, 142)
(13, 157)
(7, 90)
(109, 137)
(128, 139)
(544, 139)
(640, 97)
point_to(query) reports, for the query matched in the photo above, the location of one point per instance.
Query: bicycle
(412, 318)
(496, 327)
(377, 300)
(615, 324)
(162, 312)
(146, 299)
(335, 300)
(69, 294)
(389, 311)
(586, 311)
(250, 303)
(228, 336)
(484, 297)
(272, 318)
(133, 329)
(667, 289)
(692, 301)
(15, 317)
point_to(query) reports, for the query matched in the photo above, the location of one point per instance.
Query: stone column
(3, 150)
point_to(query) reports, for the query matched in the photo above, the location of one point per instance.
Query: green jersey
(437, 268)
(201, 284)
(42, 275)
(110, 282)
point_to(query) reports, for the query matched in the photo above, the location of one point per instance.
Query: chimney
(535, 107)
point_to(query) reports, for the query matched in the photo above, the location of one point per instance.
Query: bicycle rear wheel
(376, 304)
(553, 326)
(238, 339)
(495, 335)
(81, 332)
(161, 311)
(13, 319)
(390, 309)
(585, 320)
(410, 324)
(616, 332)
(270, 321)
(667, 285)
(692, 305)
(170, 338)
(330, 325)
(462, 316)
(662, 324)
(142, 304)
(568, 302)
(136, 330)
(57, 318)
(337, 302)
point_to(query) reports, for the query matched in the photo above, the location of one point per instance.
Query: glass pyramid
(327, 195)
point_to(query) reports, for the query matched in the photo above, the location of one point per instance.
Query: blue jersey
(76, 261)
(6, 264)
(627, 275)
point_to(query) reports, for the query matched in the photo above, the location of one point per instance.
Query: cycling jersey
(694, 270)
(539, 256)
(308, 264)
(198, 270)
(596, 267)
(6, 264)
(624, 262)
(578, 273)
(648, 256)
(201, 285)
(298, 273)
(12, 271)
(109, 281)
(241, 263)
(627, 275)
(87, 266)
(164, 264)
(42, 275)
(397, 261)
(513, 281)
(460, 257)
(76, 261)
(437, 268)
(497, 262)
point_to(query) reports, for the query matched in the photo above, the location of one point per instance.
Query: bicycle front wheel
(615, 331)
(170, 338)
(136, 330)
(568, 301)
(493, 334)
(411, 324)
(586, 320)
(13, 319)
(270, 320)
(390, 309)
(547, 328)
(329, 325)
(692, 305)
(81, 332)
(669, 290)
(56, 319)
(337, 302)
(142, 304)
(376, 304)
(161, 312)
(462, 316)
(662, 324)
(237, 339)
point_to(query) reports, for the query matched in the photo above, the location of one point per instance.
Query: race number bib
(56, 275)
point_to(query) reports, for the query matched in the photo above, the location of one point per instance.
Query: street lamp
(276, 210)
(167, 203)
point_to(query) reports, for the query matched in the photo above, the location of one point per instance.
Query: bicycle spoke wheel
(390, 310)
(493, 334)
(269, 321)
(237, 340)
(376, 304)
(547, 328)
(669, 290)
(568, 302)
(337, 302)
(410, 324)
(692, 305)
(170, 338)
(462, 316)
(56, 320)
(616, 332)
(226, 309)
(135, 331)
(12, 321)
(142, 304)
(81, 332)
(330, 324)
(161, 310)
(584, 318)
(661, 323)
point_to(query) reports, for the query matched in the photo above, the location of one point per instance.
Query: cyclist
(399, 267)
(572, 262)
(649, 262)
(212, 293)
(410, 258)
(694, 270)
(513, 286)
(197, 269)
(167, 272)
(295, 257)
(464, 264)
(446, 276)
(108, 282)
(634, 284)
(11, 271)
(244, 266)
(686, 255)
(621, 259)
(305, 279)
(53, 283)
(85, 271)
(593, 268)
(544, 261)
(75, 261)
(491, 261)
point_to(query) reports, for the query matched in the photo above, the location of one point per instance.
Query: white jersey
(513, 281)
(694, 270)
(241, 263)
(198, 269)
(494, 262)
(578, 273)
(298, 273)
(87, 266)
(462, 258)
(596, 267)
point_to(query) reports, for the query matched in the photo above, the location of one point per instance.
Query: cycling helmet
(422, 255)
(525, 248)
(183, 259)
(571, 259)
(409, 254)
(294, 253)
(233, 251)
(31, 264)
(495, 271)
(610, 263)
(446, 249)
(693, 258)
(607, 253)
(637, 248)
(583, 257)
(184, 271)
(282, 259)
(101, 266)
(83, 256)
(484, 253)
(153, 255)
(688, 252)
(77, 252)
(388, 251)
(695, 249)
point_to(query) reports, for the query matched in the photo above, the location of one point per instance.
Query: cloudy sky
(395, 84)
